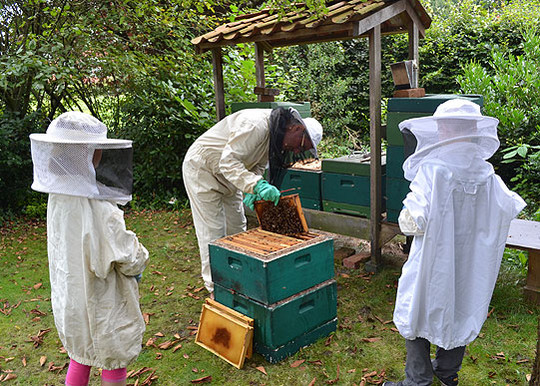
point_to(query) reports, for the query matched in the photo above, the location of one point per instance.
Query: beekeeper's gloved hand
(249, 200)
(267, 192)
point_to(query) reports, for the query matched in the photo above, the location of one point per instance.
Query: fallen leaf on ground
(24, 361)
(42, 360)
(261, 369)
(297, 363)
(208, 378)
(159, 334)
(371, 340)
(332, 381)
(37, 286)
(312, 383)
(317, 362)
(179, 346)
(9, 377)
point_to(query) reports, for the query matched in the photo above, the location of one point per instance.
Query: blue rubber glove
(249, 200)
(267, 192)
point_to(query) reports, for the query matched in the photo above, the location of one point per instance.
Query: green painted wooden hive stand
(400, 109)
(284, 282)
(346, 184)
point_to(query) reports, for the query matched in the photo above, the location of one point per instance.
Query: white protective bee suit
(459, 211)
(228, 159)
(92, 257)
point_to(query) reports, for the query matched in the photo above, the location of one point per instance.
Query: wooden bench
(525, 235)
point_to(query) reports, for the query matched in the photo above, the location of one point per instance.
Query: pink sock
(77, 374)
(114, 376)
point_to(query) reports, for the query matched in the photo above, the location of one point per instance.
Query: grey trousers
(419, 368)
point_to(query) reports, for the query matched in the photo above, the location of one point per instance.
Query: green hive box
(356, 164)
(304, 108)
(274, 355)
(279, 323)
(400, 109)
(396, 157)
(346, 184)
(275, 276)
(305, 183)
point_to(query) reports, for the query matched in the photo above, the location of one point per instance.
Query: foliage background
(132, 65)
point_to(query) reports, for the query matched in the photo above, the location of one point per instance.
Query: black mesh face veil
(279, 159)
(115, 171)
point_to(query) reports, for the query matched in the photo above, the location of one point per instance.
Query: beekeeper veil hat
(457, 134)
(280, 120)
(76, 158)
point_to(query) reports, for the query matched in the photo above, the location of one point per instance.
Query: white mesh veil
(458, 135)
(76, 158)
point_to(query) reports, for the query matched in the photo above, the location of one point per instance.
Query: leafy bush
(511, 89)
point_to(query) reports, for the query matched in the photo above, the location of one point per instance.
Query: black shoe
(452, 381)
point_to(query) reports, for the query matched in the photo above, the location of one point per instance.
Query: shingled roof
(345, 20)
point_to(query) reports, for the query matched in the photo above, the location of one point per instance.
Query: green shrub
(511, 90)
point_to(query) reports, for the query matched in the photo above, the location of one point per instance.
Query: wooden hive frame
(286, 217)
(225, 332)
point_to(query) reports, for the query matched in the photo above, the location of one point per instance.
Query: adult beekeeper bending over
(459, 212)
(93, 259)
(230, 158)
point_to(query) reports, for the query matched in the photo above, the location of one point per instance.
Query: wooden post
(414, 36)
(375, 145)
(259, 67)
(219, 88)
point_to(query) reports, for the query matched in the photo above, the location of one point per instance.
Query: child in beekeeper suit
(228, 161)
(93, 260)
(459, 212)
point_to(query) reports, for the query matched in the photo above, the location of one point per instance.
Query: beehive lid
(285, 218)
(225, 332)
(354, 164)
(266, 245)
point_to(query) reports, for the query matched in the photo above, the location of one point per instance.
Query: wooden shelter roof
(345, 19)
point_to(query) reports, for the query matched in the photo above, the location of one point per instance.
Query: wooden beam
(413, 52)
(375, 146)
(259, 67)
(379, 17)
(414, 16)
(219, 88)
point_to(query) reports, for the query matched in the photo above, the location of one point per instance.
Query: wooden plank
(375, 146)
(369, 22)
(414, 16)
(414, 37)
(259, 67)
(219, 88)
(245, 247)
(532, 287)
(524, 234)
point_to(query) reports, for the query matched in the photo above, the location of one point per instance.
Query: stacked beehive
(345, 184)
(400, 109)
(285, 283)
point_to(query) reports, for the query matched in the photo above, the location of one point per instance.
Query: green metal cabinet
(304, 108)
(279, 323)
(277, 276)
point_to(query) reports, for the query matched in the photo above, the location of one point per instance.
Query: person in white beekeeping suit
(459, 212)
(230, 159)
(94, 262)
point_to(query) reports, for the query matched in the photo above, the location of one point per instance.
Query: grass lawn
(365, 349)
